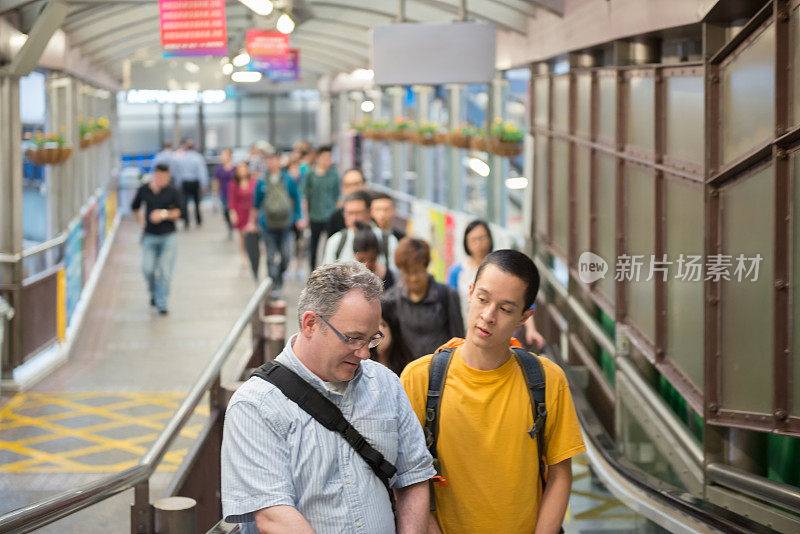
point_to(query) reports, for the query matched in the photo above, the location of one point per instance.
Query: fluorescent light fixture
(479, 167)
(246, 76)
(241, 60)
(191, 67)
(519, 182)
(227, 69)
(285, 24)
(260, 7)
(213, 96)
(367, 106)
(224, 60)
(363, 74)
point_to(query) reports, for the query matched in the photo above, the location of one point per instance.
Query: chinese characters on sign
(270, 53)
(193, 27)
(686, 268)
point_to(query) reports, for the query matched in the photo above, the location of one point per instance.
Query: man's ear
(308, 323)
(526, 315)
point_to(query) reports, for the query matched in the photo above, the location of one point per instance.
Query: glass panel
(582, 194)
(607, 129)
(747, 305)
(641, 101)
(606, 220)
(583, 104)
(541, 86)
(540, 188)
(640, 200)
(796, 285)
(684, 113)
(684, 206)
(794, 35)
(560, 194)
(561, 103)
(747, 96)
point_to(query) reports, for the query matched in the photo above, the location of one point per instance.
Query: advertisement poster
(111, 210)
(193, 28)
(101, 220)
(264, 44)
(89, 224)
(73, 268)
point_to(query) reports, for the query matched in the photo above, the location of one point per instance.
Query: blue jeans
(277, 242)
(158, 262)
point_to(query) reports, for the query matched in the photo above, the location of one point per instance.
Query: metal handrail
(33, 516)
(591, 325)
(60, 239)
(755, 486)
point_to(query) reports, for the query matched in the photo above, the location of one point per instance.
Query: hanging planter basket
(45, 156)
(477, 143)
(380, 135)
(440, 138)
(401, 135)
(458, 140)
(101, 135)
(426, 139)
(506, 149)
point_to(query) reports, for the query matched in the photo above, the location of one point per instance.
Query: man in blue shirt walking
(188, 168)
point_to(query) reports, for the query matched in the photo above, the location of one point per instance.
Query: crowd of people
(425, 382)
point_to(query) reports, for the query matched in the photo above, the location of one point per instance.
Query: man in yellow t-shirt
(487, 457)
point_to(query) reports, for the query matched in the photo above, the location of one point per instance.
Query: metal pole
(401, 11)
(11, 210)
(462, 11)
(175, 515)
(398, 152)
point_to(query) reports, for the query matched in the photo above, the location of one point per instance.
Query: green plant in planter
(466, 129)
(41, 140)
(427, 129)
(402, 124)
(506, 132)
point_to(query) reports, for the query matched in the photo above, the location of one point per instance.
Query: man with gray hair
(282, 470)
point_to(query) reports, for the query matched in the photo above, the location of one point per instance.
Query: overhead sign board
(265, 43)
(193, 27)
(433, 54)
(277, 68)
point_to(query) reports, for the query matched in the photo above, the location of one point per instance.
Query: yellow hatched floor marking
(108, 417)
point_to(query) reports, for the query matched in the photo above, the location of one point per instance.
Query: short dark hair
(325, 148)
(380, 195)
(365, 239)
(515, 263)
(359, 195)
(162, 167)
(470, 227)
(411, 251)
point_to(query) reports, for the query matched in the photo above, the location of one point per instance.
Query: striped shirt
(274, 453)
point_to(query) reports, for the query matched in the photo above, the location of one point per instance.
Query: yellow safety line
(9, 418)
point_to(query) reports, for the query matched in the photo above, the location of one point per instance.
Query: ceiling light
(227, 69)
(479, 167)
(285, 24)
(260, 7)
(246, 76)
(520, 182)
(241, 60)
(224, 60)
(191, 67)
(363, 74)
(367, 106)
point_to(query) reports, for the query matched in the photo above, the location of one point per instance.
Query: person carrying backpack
(498, 421)
(277, 202)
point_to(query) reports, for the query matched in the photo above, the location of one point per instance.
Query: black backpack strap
(385, 236)
(328, 415)
(342, 241)
(437, 374)
(534, 378)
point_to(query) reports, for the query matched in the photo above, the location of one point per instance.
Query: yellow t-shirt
(486, 455)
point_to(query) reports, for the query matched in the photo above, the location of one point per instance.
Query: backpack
(277, 205)
(437, 374)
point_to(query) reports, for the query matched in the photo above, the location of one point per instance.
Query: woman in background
(240, 201)
(223, 176)
(393, 352)
(429, 313)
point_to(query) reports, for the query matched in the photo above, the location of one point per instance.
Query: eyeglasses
(354, 343)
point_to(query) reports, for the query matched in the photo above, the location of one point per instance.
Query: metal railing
(42, 513)
(58, 240)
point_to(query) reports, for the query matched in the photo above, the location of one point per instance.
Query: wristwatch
(164, 214)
